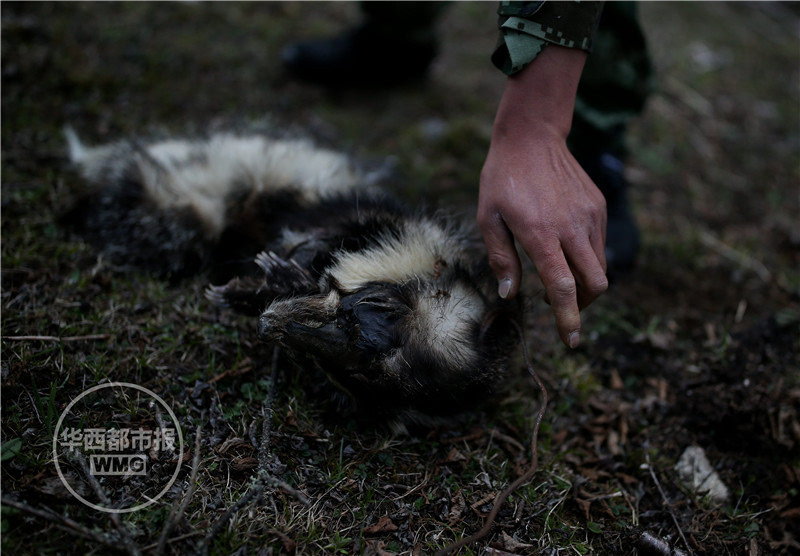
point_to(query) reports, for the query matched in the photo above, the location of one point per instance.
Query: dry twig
(656, 546)
(57, 339)
(176, 515)
(263, 477)
(743, 259)
(62, 522)
(666, 502)
(127, 542)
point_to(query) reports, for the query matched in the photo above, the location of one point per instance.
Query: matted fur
(398, 308)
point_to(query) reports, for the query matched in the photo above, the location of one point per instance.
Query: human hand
(539, 194)
(533, 190)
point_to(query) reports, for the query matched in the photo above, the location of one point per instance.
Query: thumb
(503, 256)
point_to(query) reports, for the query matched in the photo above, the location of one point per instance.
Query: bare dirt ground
(697, 347)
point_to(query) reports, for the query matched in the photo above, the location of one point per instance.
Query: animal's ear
(244, 295)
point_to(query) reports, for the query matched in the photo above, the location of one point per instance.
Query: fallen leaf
(457, 510)
(234, 444)
(454, 456)
(243, 463)
(616, 380)
(625, 478)
(384, 525)
(584, 505)
(376, 548)
(510, 543)
(792, 513)
(289, 545)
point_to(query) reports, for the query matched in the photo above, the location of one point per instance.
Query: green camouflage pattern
(527, 27)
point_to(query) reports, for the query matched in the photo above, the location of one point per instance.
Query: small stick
(284, 486)
(254, 491)
(267, 412)
(178, 511)
(666, 502)
(527, 476)
(174, 539)
(732, 254)
(265, 446)
(64, 523)
(127, 541)
(657, 546)
(57, 339)
(263, 478)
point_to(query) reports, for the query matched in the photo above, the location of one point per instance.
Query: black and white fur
(398, 308)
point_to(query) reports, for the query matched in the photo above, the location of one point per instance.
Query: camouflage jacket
(527, 27)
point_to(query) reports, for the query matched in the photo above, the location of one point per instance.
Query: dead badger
(398, 308)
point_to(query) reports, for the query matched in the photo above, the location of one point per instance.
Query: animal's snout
(267, 329)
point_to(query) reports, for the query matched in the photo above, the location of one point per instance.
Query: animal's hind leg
(251, 295)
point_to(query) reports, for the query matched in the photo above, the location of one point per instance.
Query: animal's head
(418, 347)
(398, 312)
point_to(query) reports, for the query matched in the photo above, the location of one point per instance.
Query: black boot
(363, 57)
(622, 233)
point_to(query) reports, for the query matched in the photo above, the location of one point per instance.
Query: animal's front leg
(284, 276)
(251, 295)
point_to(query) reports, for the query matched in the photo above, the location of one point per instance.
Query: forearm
(539, 100)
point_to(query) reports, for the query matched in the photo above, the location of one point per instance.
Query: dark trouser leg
(613, 89)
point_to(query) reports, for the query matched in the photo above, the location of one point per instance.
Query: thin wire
(527, 476)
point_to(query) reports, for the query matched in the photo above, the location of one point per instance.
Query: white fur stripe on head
(415, 254)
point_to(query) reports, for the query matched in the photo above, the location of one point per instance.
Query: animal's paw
(245, 295)
(284, 276)
(251, 295)
(216, 295)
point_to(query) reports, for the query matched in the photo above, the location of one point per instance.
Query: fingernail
(504, 287)
(574, 339)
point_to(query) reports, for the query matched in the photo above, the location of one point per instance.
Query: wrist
(540, 99)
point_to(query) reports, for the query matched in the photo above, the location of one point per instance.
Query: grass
(695, 347)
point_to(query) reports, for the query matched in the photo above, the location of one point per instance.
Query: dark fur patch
(133, 234)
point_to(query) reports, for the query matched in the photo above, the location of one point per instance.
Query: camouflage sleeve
(527, 27)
